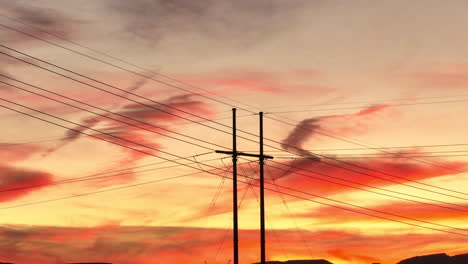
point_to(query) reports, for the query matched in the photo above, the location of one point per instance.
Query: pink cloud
(289, 173)
(15, 178)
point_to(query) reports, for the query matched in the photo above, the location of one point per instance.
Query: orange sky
(337, 80)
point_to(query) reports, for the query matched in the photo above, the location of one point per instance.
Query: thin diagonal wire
(290, 215)
(370, 186)
(107, 111)
(225, 125)
(348, 204)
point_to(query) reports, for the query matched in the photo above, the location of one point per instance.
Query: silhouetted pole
(262, 195)
(234, 189)
(262, 157)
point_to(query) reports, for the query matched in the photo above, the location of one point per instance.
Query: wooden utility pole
(262, 158)
(262, 195)
(234, 188)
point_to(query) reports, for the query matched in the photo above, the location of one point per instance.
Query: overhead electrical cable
(110, 112)
(179, 110)
(204, 141)
(122, 68)
(289, 213)
(283, 187)
(98, 176)
(374, 187)
(105, 116)
(140, 75)
(292, 195)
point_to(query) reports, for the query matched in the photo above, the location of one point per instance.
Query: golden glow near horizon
(368, 74)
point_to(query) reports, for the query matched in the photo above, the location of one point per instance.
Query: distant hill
(437, 259)
(441, 258)
(463, 258)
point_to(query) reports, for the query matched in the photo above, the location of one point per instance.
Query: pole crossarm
(238, 153)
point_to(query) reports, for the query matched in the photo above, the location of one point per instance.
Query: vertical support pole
(234, 189)
(262, 195)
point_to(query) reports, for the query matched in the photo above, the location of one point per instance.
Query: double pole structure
(261, 158)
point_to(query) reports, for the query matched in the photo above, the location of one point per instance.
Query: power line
(217, 192)
(129, 63)
(361, 207)
(143, 98)
(373, 187)
(98, 177)
(81, 108)
(116, 87)
(88, 110)
(94, 136)
(329, 134)
(109, 112)
(168, 77)
(100, 191)
(119, 120)
(373, 176)
(249, 187)
(292, 195)
(64, 138)
(368, 169)
(266, 188)
(290, 215)
(122, 68)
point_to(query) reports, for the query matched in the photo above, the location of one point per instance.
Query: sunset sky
(111, 111)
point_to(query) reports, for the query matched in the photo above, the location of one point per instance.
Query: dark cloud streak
(241, 23)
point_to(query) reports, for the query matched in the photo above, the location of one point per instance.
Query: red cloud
(286, 173)
(154, 117)
(14, 178)
(346, 169)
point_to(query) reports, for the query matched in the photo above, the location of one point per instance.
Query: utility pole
(262, 195)
(261, 157)
(234, 188)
